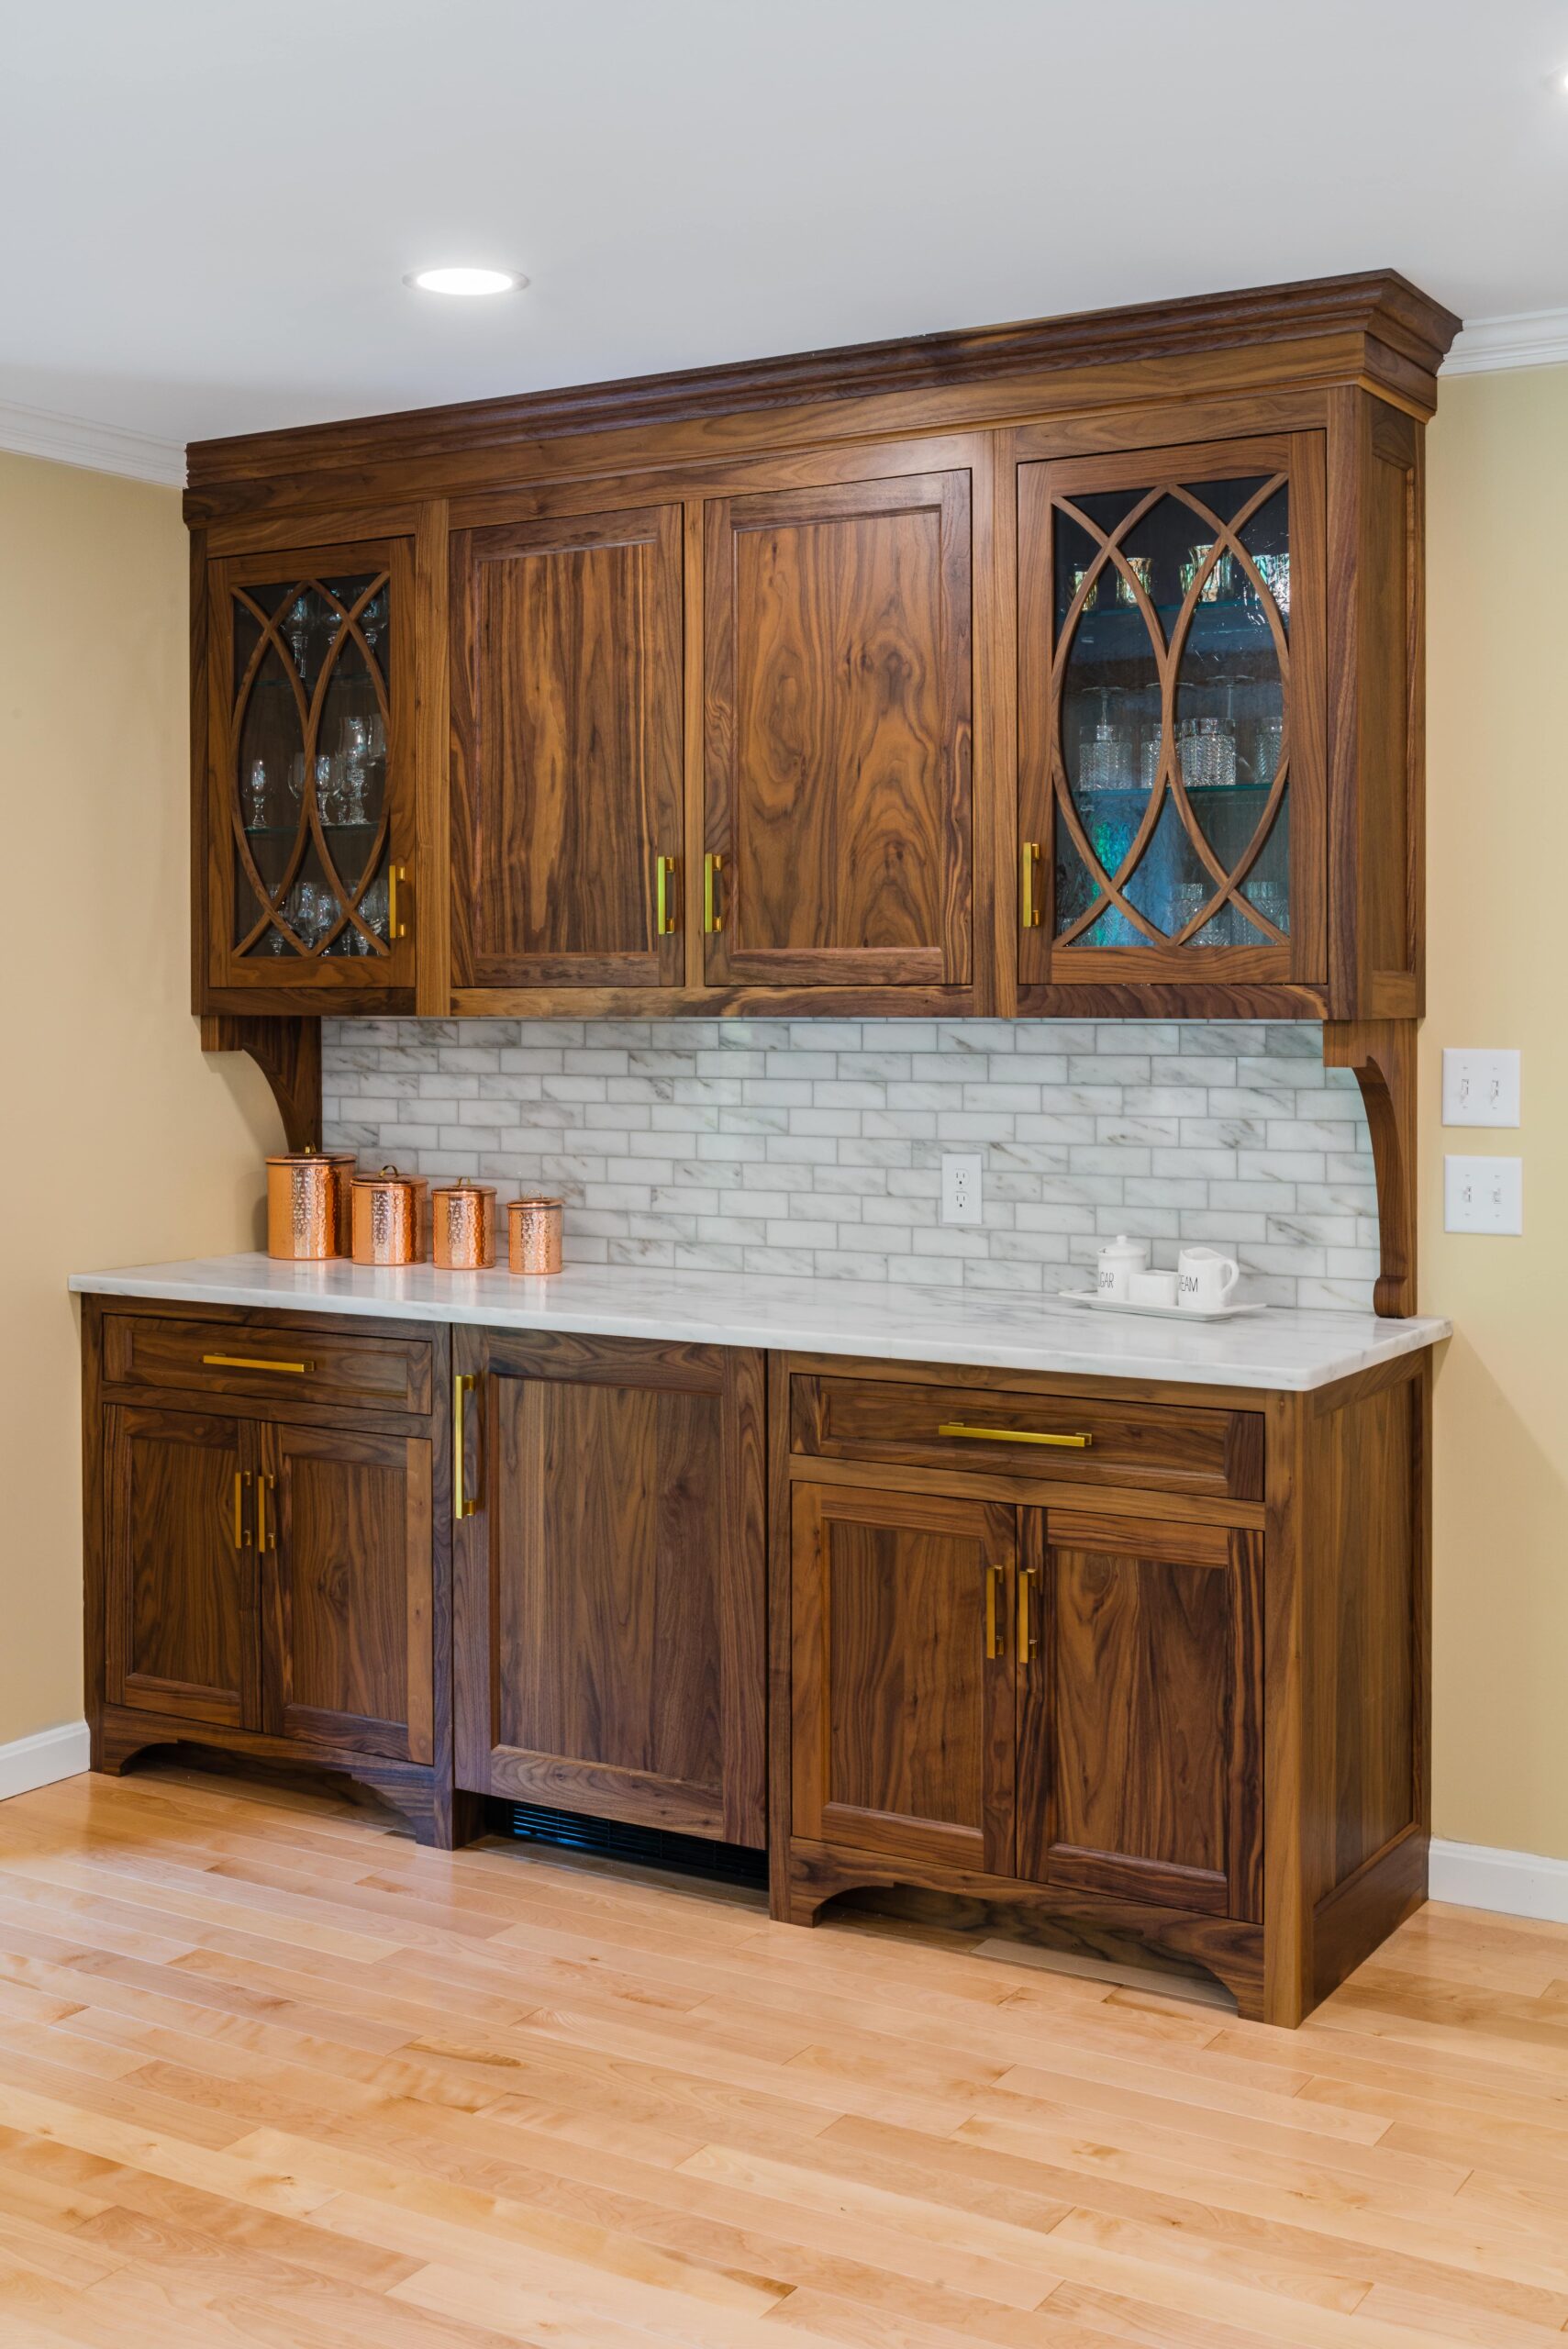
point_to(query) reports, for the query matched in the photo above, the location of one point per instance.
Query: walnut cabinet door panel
(566, 686)
(609, 1595)
(902, 1676)
(836, 755)
(180, 1527)
(347, 1574)
(1139, 1746)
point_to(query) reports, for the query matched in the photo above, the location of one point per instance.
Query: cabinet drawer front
(271, 1361)
(1169, 1448)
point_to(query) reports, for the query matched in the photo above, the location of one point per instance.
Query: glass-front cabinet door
(1171, 717)
(309, 885)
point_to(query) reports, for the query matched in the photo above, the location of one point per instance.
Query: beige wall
(123, 1143)
(1498, 926)
(120, 1141)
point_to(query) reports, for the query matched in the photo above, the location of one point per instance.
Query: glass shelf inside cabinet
(309, 783)
(1172, 755)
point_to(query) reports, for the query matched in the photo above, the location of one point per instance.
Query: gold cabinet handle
(257, 1362)
(395, 928)
(1028, 865)
(266, 1539)
(463, 1384)
(712, 908)
(993, 1607)
(664, 871)
(1014, 1435)
(241, 1485)
(1026, 1649)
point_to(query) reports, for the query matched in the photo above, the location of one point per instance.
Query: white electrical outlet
(1480, 1088)
(1483, 1195)
(960, 1187)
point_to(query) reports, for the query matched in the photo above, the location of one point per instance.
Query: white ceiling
(207, 209)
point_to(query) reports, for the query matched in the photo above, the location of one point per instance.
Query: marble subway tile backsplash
(814, 1146)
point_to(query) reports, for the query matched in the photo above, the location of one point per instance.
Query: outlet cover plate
(961, 1185)
(1483, 1195)
(1480, 1088)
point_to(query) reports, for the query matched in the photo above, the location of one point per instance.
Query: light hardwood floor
(270, 2075)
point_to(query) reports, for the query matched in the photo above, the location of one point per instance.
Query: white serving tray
(1097, 1304)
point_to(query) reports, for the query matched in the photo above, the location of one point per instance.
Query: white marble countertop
(1278, 1349)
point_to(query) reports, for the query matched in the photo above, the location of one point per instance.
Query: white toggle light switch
(1480, 1088)
(1483, 1195)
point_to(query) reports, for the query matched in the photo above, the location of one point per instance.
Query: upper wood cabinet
(837, 735)
(1071, 668)
(308, 808)
(567, 788)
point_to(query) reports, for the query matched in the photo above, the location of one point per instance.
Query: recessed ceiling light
(466, 281)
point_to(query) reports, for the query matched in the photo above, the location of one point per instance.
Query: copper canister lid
(463, 1226)
(388, 1217)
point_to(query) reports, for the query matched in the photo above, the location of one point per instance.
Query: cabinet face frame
(733, 1378)
(1045, 473)
(656, 723)
(793, 504)
(226, 979)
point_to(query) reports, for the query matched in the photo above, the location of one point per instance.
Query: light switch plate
(1480, 1088)
(961, 1185)
(1483, 1195)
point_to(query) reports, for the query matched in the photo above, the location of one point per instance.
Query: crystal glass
(330, 787)
(1206, 748)
(355, 762)
(297, 628)
(1105, 761)
(1216, 588)
(256, 797)
(1142, 568)
(1275, 572)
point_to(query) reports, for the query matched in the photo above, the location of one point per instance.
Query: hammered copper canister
(307, 1205)
(464, 1227)
(533, 1236)
(388, 1217)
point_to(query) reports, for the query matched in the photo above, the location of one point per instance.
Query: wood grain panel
(1186, 1448)
(836, 631)
(1140, 1765)
(567, 750)
(351, 1366)
(347, 1580)
(904, 1727)
(180, 1588)
(610, 1585)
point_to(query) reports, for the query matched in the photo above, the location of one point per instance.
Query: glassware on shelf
(329, 787)
(1207, 749)
(1275, 572)
(1188, 899)
(1149, 744)
(297, 626)
(256, 797)
(295, 781)
(354, 763)
(1272, 899)
(375, 735)
(373, 619)
(1142, 566)
(1103, 757)
(1267, 742)
(1217, 586)
(1079, 575)
(373, 908)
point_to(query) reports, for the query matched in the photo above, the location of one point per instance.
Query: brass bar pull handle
(241, 1485)
(463, 1385)
(1029, 907)
(992, 1609)
(664, 871)
(257, 1362)
(266, 1539)
(712, 906)
(1026, 1650)
(395, 874)
(1014, 1435)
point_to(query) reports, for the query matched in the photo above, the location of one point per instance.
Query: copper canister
(307, 1205)
(533, 1236)
(388, 1217)
(463, 1226)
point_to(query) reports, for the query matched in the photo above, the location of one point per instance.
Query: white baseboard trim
(1514, 1884)
(40, 1760)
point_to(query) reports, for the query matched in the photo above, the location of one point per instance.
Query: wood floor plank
(271, 2076)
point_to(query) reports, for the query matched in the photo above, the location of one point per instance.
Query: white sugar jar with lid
(1118, 1260)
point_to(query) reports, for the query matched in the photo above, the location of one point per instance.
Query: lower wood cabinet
(269, 1583)
(609, 1579)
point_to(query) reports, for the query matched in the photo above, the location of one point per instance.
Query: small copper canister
(307, 1205)
(463, 1226)
(388, 1217)
(533, 1236)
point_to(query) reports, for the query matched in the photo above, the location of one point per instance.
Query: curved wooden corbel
(1383, 1055)
(288, 1053)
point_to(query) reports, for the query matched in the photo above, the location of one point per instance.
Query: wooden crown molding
(1523, 338)
(1377, 303)
(97, 448)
